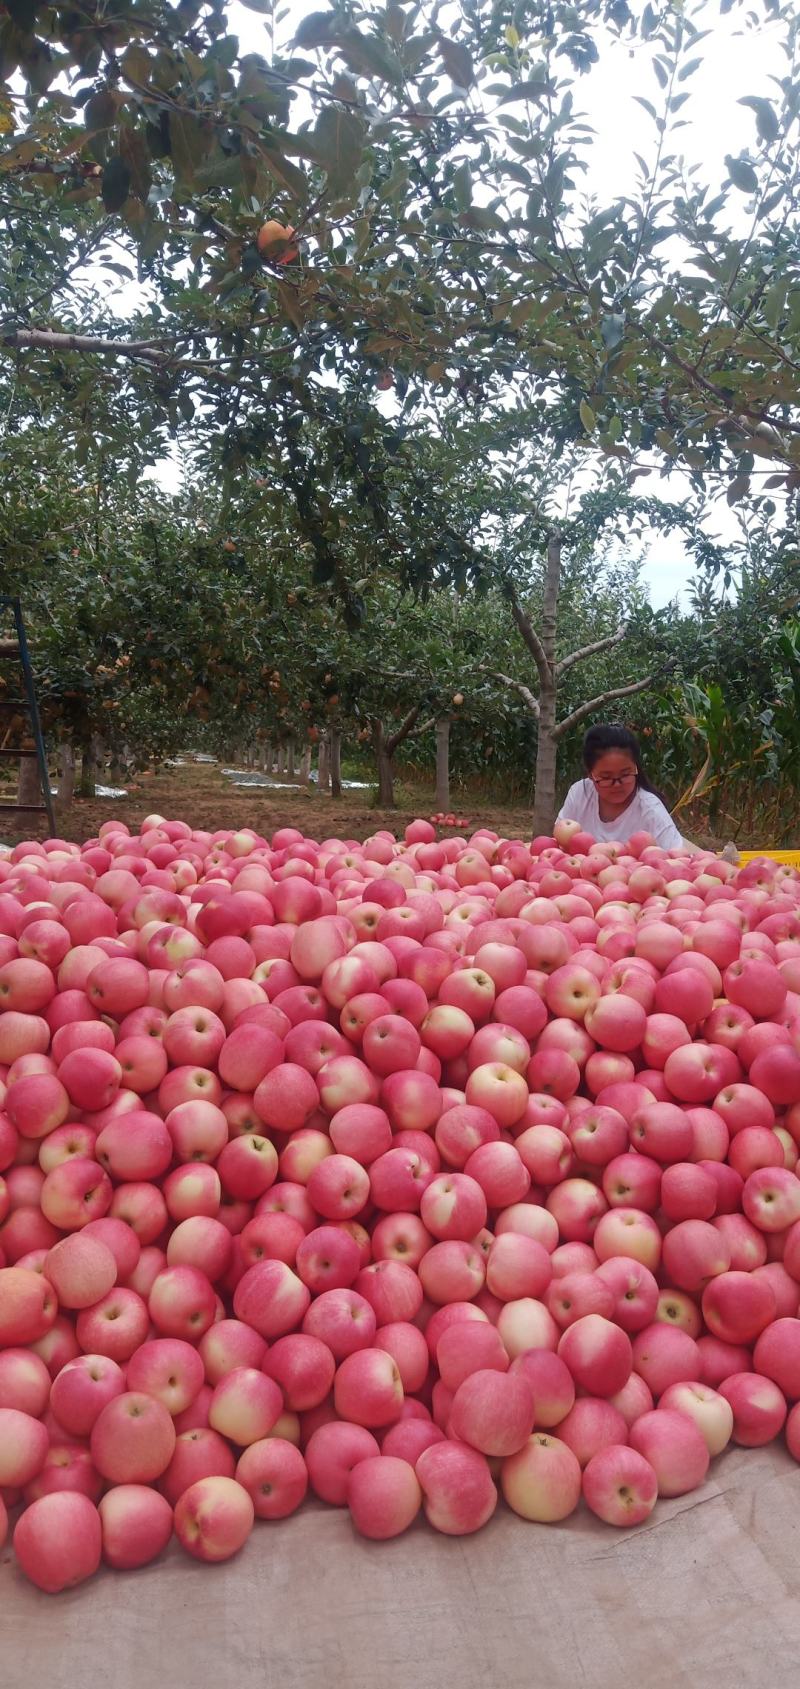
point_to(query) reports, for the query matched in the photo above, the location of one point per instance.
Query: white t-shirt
(645, 814)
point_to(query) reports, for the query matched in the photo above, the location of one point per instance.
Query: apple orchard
(336, 386)
(419, 1177)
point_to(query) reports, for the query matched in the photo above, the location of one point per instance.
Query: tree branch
(53, 341)
(720, 401)
(597, 703)
(139, 351)
(590, 650)
(516, 685)
(531, 639)
(390, 745)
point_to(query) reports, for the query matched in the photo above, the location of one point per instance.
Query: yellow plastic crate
(787, 858)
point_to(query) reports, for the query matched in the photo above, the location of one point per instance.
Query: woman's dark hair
(612, 736)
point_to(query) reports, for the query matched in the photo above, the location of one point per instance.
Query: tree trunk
(324, 773)
(385, 769)
(305, 765)
(336, 762)
(29, 790)
(125, 761)
(544, 803)
(66, 782)
(290, 759)
(280, 767)
(443, 763)
(88, 780)
(385, 780)
(544, 798)
(266, 758)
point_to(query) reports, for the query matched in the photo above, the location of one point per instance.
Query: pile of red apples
(403, 1174)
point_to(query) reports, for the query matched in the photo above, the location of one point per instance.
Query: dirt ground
(200, 794)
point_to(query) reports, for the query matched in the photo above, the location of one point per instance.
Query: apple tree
(430, 170)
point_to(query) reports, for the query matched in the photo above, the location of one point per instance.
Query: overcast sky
(735, 62)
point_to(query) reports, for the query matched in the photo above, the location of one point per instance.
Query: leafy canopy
(430, 159)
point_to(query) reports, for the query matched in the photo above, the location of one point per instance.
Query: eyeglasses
(605, 782)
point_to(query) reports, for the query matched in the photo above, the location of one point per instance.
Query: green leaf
(767, 122)
(283, 172)
(554, 179)
(738, 489)
(480, 217)
(317, 30)
(774, 302)
(742, 174)
(370, 56)
(457, 62)
(137, 65)
(134, 152)
(587, 416)
(154, 237)
(221, 173)
(612, 329)
(189, 144)
(535, 90)
(101, 110)
(462, 186)
(517, 172)
(290, 305)
(116, 184)
(339, 137)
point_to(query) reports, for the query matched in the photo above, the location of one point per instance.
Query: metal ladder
(17, 648)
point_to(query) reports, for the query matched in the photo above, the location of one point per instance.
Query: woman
(616, 799)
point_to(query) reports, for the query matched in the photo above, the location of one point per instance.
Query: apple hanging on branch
(274, 242)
